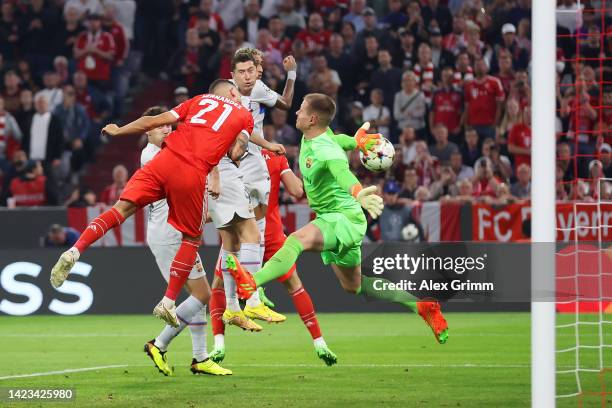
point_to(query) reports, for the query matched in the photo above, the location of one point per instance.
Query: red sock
(216, 304)
(181, 267)
(303, 305)
(98, 227)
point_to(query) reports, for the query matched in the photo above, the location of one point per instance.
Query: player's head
(224, 87)
(317, 111)
(244, 70)
(258, 56)
(156, 136)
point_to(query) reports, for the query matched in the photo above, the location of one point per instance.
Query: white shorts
(233, 199)
(164, 254)
(256, 178)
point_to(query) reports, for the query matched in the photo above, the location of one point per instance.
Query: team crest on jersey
(308, 162)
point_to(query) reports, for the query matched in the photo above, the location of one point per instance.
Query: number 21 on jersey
(210, 105)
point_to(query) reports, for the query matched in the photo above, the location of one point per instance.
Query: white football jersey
(261, 97)
(158, 230)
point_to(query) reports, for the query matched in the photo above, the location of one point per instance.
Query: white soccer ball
(410, 232)
(379, 159)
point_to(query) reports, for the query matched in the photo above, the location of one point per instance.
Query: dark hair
(217, 83)
(243, 55)
(154, 111)
(322, 105)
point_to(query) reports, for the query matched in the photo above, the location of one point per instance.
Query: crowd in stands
(447, 81)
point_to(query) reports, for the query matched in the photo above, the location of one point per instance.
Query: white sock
(197, 327)
(261, 226)
(219, 340)
(185, 312)
(229, 284)
(250, 258)
(167, 302)
(319, 342)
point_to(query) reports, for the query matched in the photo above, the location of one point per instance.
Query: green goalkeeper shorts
(341, 239)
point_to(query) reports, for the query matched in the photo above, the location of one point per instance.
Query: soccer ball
(410, 232)
(381, 158)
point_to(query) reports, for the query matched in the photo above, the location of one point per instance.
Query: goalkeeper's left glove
(366, 141)
(369, 201)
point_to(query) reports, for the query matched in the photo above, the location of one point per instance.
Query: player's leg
(353, 281)
(303, 305)
(217, 306)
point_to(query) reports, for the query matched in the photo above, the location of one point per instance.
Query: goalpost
(543, 204)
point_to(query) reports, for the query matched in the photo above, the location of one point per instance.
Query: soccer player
(164, 242)
(241, 223)
(337, 197)
(211, 126)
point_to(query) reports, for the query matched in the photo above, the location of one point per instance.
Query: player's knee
(303, 237)
(350, 287)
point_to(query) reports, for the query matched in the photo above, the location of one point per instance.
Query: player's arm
(285, 100)
(263, 143)
(348, 182)
(362, 140)
(141, 125)
(239, 148)
(292, 183)
(214, 186)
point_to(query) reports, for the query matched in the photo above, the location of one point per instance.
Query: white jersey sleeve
(158, 230)
(264, 95)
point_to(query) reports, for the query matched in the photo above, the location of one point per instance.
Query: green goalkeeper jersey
(327, 178)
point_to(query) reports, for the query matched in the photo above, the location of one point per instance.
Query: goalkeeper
(337, 198)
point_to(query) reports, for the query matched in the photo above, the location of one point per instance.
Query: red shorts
(271, 248)
(184, 186)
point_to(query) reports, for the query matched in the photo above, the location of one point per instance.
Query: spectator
(355, 14)
(464, 73)
(283, 133)
(10, 136)
(415, 19)
(215, 22)
(409, 106)
(519, 141)
(442, 149)
(38, 21)
(424, 163)
(422, 194)
(370, 29)
(231, 12)
(97, 107)
(11, 91)
(521, 189)
(51, 91)
(605, 155)
(470, 150)
(239, 37)
(405, 57)
(322, 79)
(84, 7)
(425, 72)
(298, 49)
(120, 75)
(59, 236)
(340, 60)
(462, 171)
(252, 21)
(315, 37)
(111, 193)
(61, 69)
(279, 39)
(10, 31)
(502, 167)
(409, 186)
(377, 114)
(440, 57)
(25, 74)
(26, 110)
(368, 64)
(82, 197)
(407, 141)
(355, 119)
(66, 35)
(565, 162)
(447, 106)
(75, 125)
(463, 193)
(291, 18)
(520, 56)
(444, 185)
(433, 10)
(395, 216)
(485, 184)
(396, 17)
(31, 188)
(94, 51)
(43, 140)
(455, 41)
(387, 78)
(17, 167)
(349, 35)
(506, 73)
(483, 101)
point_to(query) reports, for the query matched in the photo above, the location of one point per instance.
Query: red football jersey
(94, 66)
(447, 106)
(209, 125)
(482, 97)
(277, 165)
(520, 135)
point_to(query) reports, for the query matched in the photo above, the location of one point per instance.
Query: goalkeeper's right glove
(369, 201)
(366, 141)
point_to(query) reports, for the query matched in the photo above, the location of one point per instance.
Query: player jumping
(211, 126)
(164, 241)
(336, 197)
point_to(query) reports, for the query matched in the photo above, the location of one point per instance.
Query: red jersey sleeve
(283, 165)
(499, 90)
(180, 111)
(249, 124)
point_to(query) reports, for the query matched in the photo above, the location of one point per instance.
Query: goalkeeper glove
(366, 141)
(369, 201)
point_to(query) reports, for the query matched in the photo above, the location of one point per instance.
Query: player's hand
(289, 63)
(111, 129)
(214, 187)
(277, 148)
(366, 141)
(198, 263)
(369, 201)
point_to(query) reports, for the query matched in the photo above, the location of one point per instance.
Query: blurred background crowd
(447, 81)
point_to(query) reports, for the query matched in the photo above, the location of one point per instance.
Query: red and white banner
(440, 222)
(504, 224)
